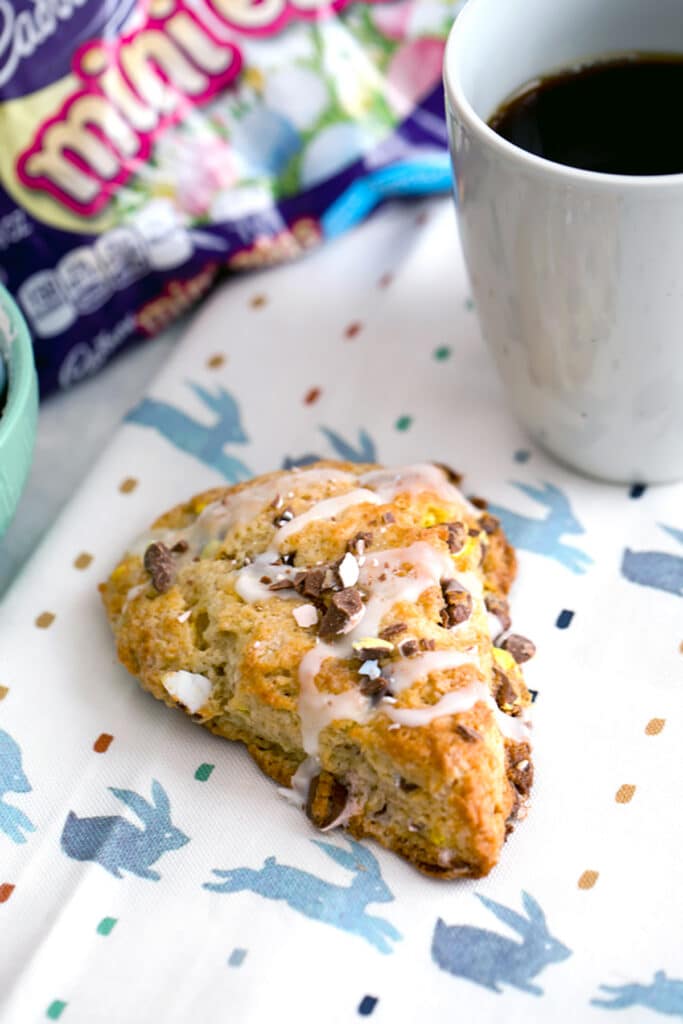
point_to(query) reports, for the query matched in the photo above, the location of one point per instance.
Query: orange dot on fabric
(258, 301)
(655, 726)
(385, 280)
(83, 560)
(128, 485)
(102, 743)
(624, 794)
(45, 620)
(216, 361)
(353, 329)
(4, 690)
(588, 879)
(312, 396)
(6, 890)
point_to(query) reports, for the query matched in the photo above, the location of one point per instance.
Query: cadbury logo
(131, 89)
(21, 33)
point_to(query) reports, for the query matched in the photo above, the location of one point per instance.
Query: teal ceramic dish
(19, 414)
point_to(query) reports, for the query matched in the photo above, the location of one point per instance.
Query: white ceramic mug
(577, 276)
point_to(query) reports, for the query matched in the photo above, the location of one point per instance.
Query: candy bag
(149, 145)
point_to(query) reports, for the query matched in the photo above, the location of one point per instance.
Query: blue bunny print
(341, 906)
(544, 535)
(657, 569)
(13, 822)
(663, 995)
(189, 435)
(117, 844)
(490, 959)
(364, 450)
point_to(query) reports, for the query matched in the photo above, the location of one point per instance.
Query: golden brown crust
(441, 794)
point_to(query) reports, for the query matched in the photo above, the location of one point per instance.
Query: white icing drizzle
(318, 709)
(456, 702)
(407, 671)
(197, 534)
(422, 476)
(301, 781)
(328, 508)
(189, 688)
(248, 582)
(214, 521)
(396, 575)
(422, 566)
(386, 577)
(452, 703)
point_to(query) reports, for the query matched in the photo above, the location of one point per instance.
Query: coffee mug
(577, 276)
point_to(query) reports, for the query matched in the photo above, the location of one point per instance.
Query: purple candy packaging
(151, 145)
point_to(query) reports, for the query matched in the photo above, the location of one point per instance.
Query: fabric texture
(217, 900)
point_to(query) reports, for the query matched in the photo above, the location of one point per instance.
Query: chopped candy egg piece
(373, 643)
(306, 615)
(348, 570)
(370, 669)
(189, 688)
(504, 659)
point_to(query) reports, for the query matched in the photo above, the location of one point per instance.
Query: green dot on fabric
(442, 353)
(404, 422)
(106, 925)
(203, 772)
(469, 305)
(55, 1009)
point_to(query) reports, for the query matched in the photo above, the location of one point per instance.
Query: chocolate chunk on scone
(338, 620)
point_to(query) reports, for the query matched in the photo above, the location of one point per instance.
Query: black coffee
(619, 116)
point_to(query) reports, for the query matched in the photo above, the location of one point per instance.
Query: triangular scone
(338, 620)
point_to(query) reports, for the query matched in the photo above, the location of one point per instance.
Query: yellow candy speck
(469, 548)
(211, 549)
(504, 660)
(372, 642)
(434, 516)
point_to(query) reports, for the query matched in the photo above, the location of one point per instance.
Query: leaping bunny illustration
(544, 536)
(663, 995)
(492, 960)
(657, 569)
(117, 844)
(206, 443)
(341, 906)
(13, 821)
(364, 451)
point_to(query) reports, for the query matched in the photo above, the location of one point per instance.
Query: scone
(340, 621)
